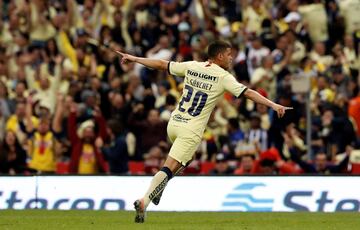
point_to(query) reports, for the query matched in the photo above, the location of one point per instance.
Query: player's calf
(156, 199)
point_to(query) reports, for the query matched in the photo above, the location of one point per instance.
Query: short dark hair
(217, 47)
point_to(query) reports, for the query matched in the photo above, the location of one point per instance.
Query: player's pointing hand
(126, 57)
(280, 110)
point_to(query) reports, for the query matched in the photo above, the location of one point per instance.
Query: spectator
(350, 53)
(116, 152)
(278, 125)
(2, 126)
(321, 164)
(12, 155)
(279, 54)
(4, 109)
(41, 28)
(222, 166)
(240, 64)
(20, 93)
(170, 103)
(44, 90)
(294, 135)
(271, 163)
(340, 81)
(295, 48)
(184, 40)
(43, 141)
(253, 15)
(314, 17)
(293, 20)
(154, 159)
(354, 112)
(331, 129)
(318, 55)
(235, 134)
(162, 92)
(117, 31)
(336, 26)
(256, 134)
(86, 157)
(351, 17)
(322, 90)
(215, 132)
(4, 102)
(264, 115)
(150, 131)
(120, 109)
(255, 54)
(264, 77)
(15, 123)
(246, 165)
(268, 33)
(161, 50)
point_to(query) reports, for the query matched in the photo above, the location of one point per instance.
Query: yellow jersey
(87, 162)
(204, 84)
(12, 123)
(42, 152)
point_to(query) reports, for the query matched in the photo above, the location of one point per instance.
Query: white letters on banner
(252, 194)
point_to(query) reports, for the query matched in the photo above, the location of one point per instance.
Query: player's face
(226, 58)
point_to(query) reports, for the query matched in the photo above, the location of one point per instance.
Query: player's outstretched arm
(256, 97)
(148, 62)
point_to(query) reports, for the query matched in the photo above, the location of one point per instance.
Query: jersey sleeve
(233, 86)
(178, 68)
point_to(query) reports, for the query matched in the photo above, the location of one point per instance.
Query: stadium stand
(68, 104)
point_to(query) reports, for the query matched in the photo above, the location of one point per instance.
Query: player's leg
(171, 166)
(183, 148)
(159, 177)
(157, 199)
(157, 185)
(183, 153)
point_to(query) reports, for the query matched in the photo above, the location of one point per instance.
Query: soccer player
(204, 85)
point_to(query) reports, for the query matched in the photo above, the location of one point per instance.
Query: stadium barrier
(200, 193)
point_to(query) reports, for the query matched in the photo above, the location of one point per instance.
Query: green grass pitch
(42, 219)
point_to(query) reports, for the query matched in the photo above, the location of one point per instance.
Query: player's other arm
(256, 97)
(148, 62)
(238, 89)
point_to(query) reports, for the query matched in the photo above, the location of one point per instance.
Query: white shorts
(185, 143)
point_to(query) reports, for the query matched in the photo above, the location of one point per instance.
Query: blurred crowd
(65, 96)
